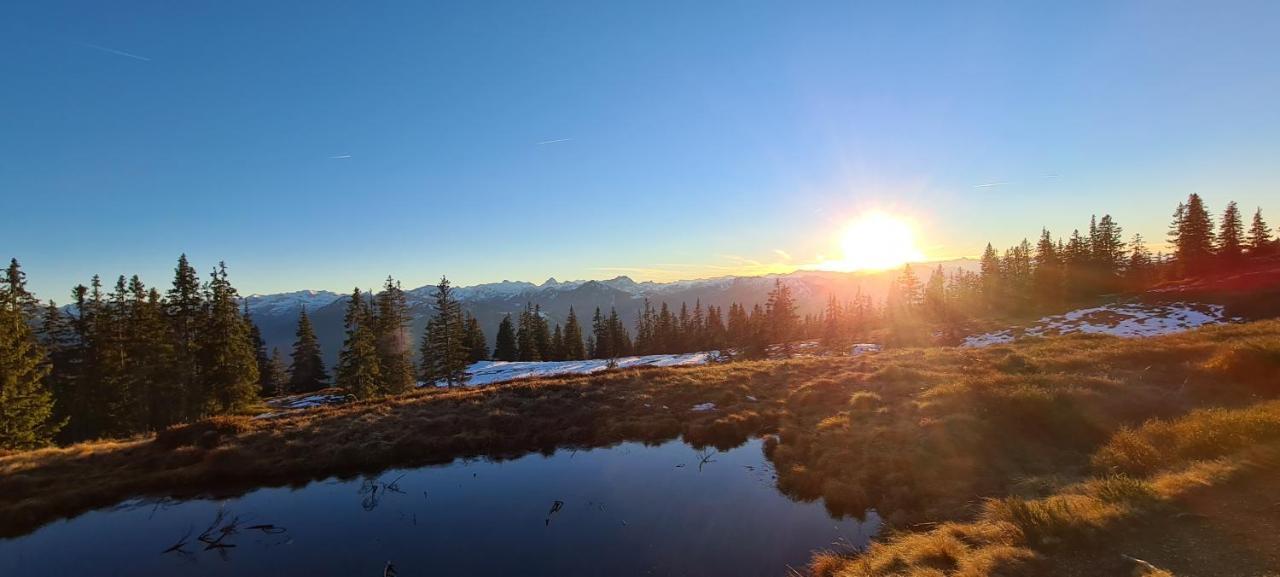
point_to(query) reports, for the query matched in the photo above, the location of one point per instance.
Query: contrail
(340, 156)
(991, 184)
(554, 141)
(116, 52)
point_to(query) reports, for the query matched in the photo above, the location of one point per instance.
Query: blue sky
(328, 144)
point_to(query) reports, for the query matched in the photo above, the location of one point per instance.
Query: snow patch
(703, 407)
(1131, 320)
(489, 372)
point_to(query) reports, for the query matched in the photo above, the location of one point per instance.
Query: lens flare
(878, 241)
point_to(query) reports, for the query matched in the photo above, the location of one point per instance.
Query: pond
(629, 509)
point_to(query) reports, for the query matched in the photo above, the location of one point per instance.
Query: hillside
(1052, 428)
(277, 314)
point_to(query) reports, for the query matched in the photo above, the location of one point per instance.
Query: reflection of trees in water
(220, 533)
(373, 490)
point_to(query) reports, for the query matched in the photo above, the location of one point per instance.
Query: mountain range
(277, 314)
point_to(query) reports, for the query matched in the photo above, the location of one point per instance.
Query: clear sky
(328, 144)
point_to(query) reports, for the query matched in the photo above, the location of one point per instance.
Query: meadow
(1038, 457)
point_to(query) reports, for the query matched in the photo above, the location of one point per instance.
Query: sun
(878, 241)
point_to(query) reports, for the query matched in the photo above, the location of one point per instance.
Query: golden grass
(1017, 450)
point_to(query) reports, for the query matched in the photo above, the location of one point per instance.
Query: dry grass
(1019, 451)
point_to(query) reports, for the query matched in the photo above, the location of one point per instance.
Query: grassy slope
(1016, 450)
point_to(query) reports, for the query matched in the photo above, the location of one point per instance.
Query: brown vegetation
(1023, 454)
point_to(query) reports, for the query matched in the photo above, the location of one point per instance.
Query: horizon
(580, 141)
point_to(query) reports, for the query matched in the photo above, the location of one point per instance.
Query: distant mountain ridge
(277, 314)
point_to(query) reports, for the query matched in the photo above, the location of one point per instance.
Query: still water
(624, 510)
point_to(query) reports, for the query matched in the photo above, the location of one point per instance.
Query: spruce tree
(306, 371)
(557, 344)
(1231, 235)
(359, 371)
(227, 369)
(527, 335)
(1047, 277)
(149, 354)
(27, 419)
(504, 348)
(444, 349)
(541, 333)
(279, 373)
(185, 310)
(781, 317)
(259, 353)
(715, 329)
(992, 286)
(61, 343)
(573, 347)
(1138, 271)
(477, 347)
(1193, 237)
(391, 332)
(1259, 235)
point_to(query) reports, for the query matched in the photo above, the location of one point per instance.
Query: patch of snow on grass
(1130, 320)
(703, 407)
(489, 372)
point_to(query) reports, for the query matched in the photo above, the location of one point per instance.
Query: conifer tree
(444, 348)
(26, 404)
(259, 353)
(505, 348)
(1231, 235)
(1193, 237)
(619, 339)
(227, 369)
(61, 344)
(1259, 235)
(832, 326)
(279, 373)
(573, 347)
(307, 372)
(715, 329)
(557, 344)
(600, 332)
(477, 347)
(359, 369)
(527, 335)
(992, 289)
(391, 330)
(185, 311)
(1138, 272)
(149, 360)
(541, 333)
(935, 294)
(781, 317)
(1047, 276)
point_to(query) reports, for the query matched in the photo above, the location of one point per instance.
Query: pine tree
(149, 355)
(1108, 252)
(527, 335)
(541, 333)
(781, 317)
(1047, 277)
(935, 294)
(832, 326)
(992, 286)
(619, 339)
(259, 353)
(444, 349)
(600, 332)
(227, 369)
(1138, 272)
(1077, 267)
(359, 370)
(391, 330)
(306, 372)
(715, 329)
(573, 347)
(477, 347)
(61, 344)
(505, 348)
(1231, 235)
(27, 419)
(1259, 235)
(557, 345)
(1193, 237)
(279, 373)
(185, 310)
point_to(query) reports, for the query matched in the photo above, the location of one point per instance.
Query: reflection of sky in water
(627, 510)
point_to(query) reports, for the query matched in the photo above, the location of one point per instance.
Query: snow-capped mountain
(277, 314)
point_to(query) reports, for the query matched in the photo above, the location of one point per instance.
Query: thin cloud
(340, 156)
(109, 50)
(991, 184)
(782, 253)
(545, 142)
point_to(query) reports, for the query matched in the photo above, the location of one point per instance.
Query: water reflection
(630, 509)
